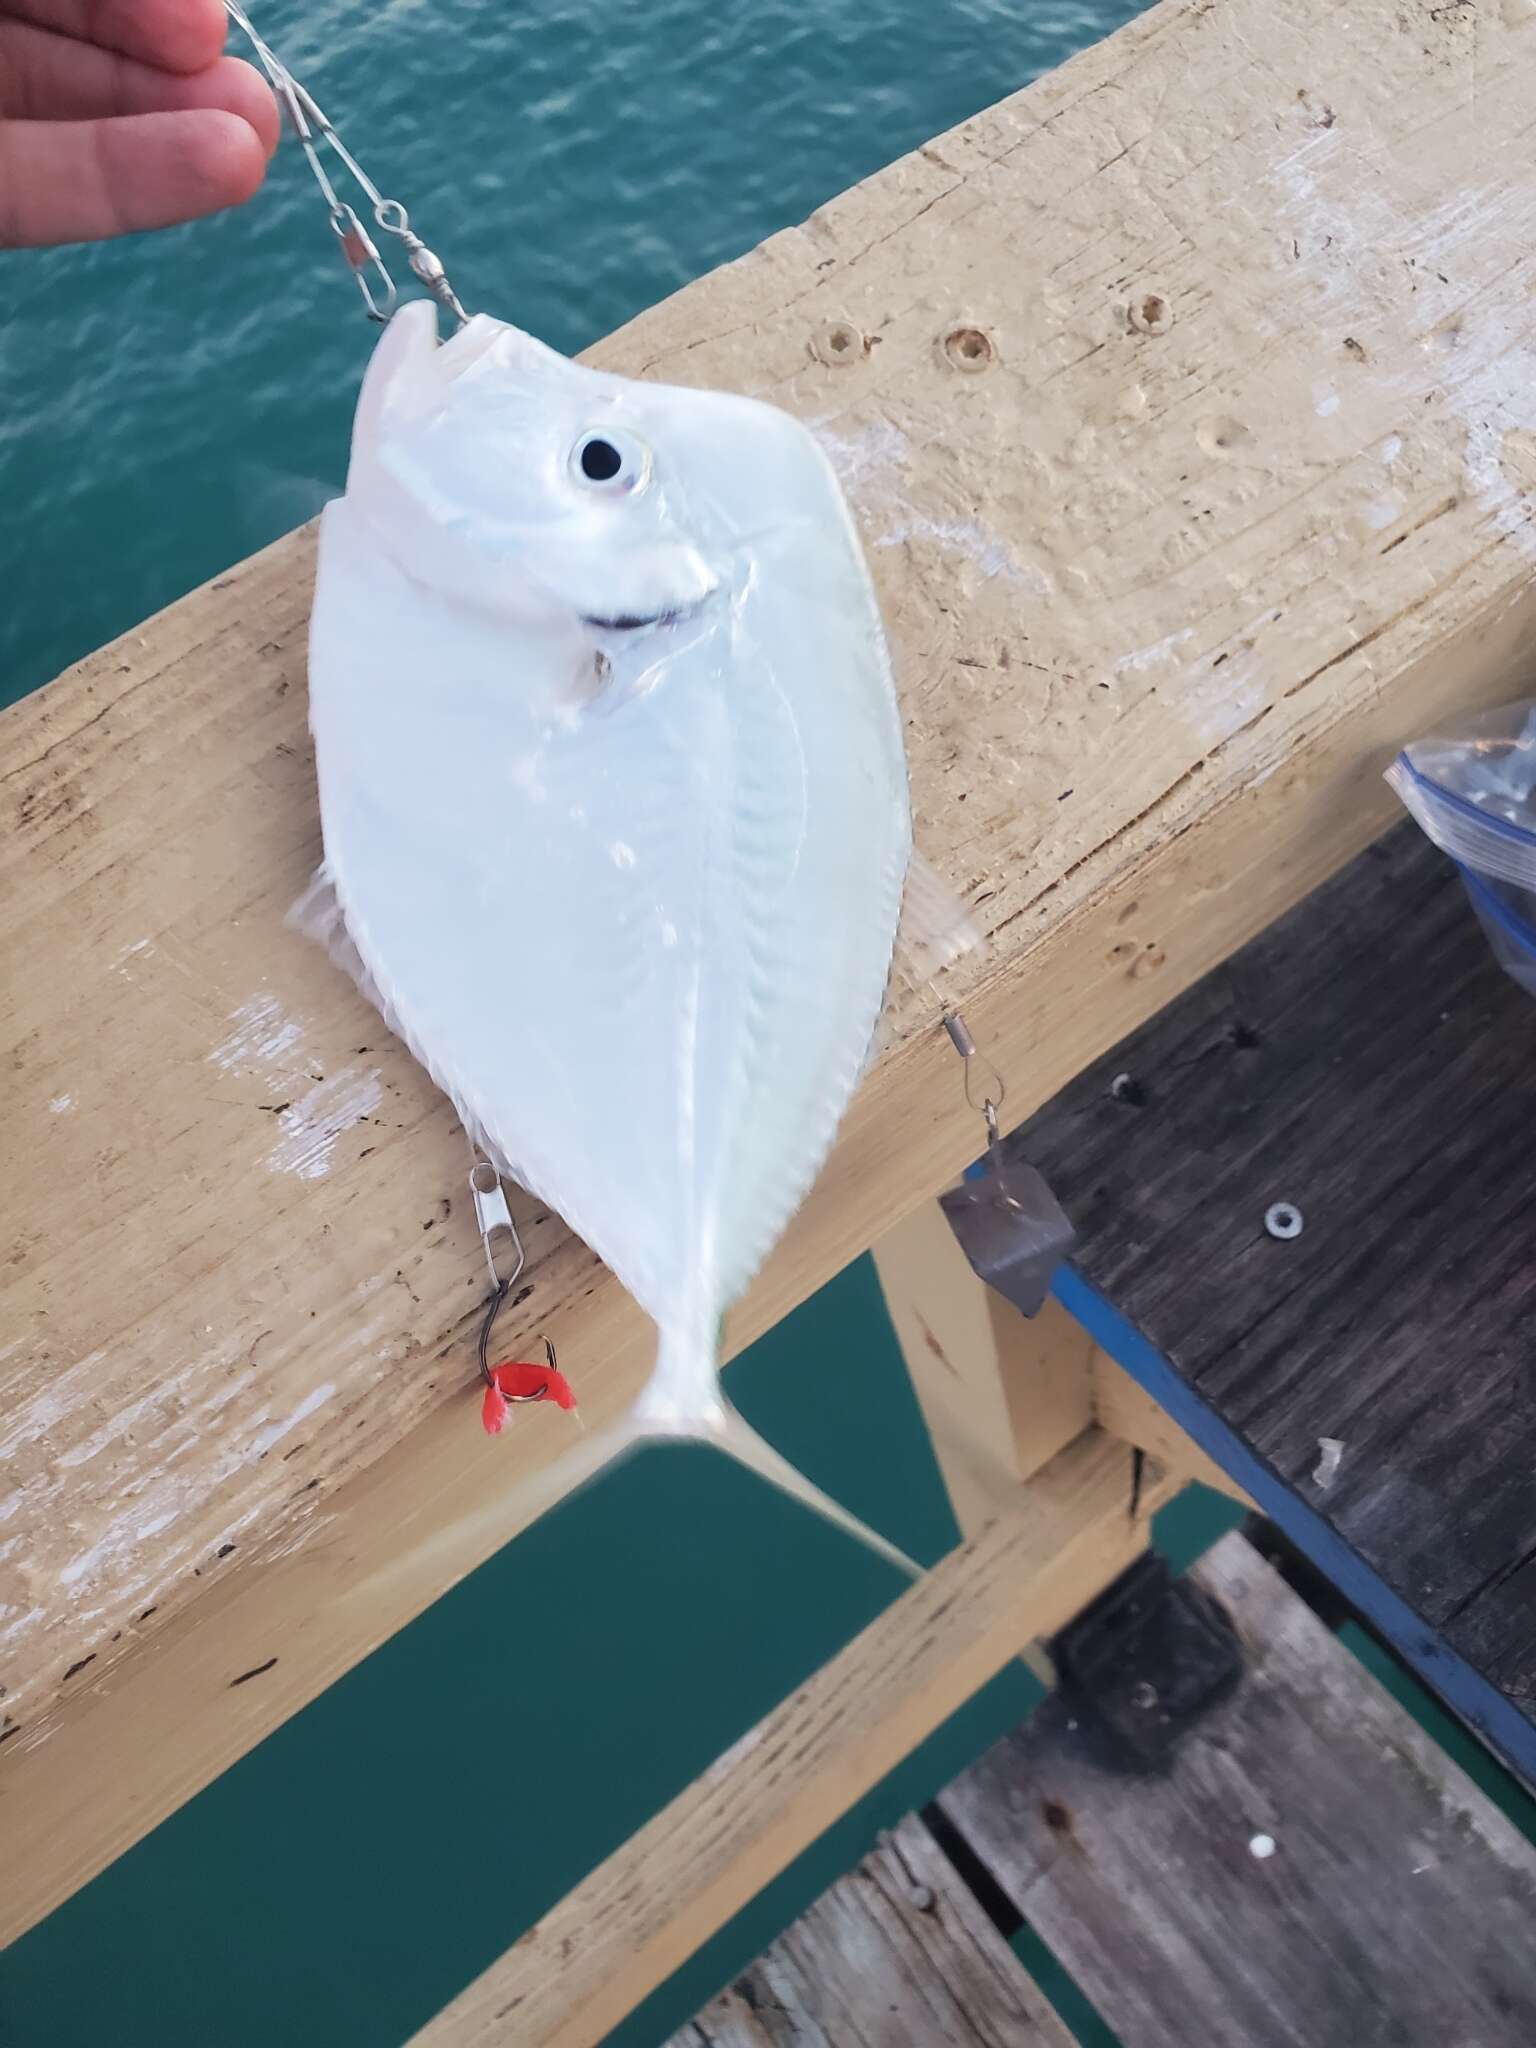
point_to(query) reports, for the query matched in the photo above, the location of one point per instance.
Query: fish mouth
(639, 622)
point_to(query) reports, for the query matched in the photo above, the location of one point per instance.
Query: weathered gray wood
(896, 1955)
(1397, 1907)
(1366, 1060)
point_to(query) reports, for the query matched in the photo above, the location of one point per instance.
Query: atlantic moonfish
(615, 810)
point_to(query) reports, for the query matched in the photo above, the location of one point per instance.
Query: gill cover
(431, 473)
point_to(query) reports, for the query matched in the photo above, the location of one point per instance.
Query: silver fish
(615, 807)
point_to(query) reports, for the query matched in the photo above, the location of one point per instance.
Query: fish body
(614, 799)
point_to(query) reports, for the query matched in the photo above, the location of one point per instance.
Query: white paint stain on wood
(305, 1529)
(106, 1565)
(871, 466)
(263, 1036)
(16, 1620)
(1219, 702)
(1485, 375)
(1496, 399)
(991, 555)
(59, 1397)
(275, 1432)
(728, 1759)
(61, 1105)
(148, 1518)
(312, 1125)
(1155, 656)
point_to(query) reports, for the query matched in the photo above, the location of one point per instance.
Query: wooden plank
(1001, 1393)
(609, 1943)
(896, 1955)
(1310, 1872)
(1224, 499)
(1367, 1061)
(1122, 1407)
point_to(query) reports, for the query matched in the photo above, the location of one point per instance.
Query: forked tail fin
(685, 1404)
(683, 1400)
(732, 1433)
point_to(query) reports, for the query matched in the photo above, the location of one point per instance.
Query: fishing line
(312, 127)
(505, 1257)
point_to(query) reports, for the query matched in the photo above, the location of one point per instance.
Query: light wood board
(1188, 419)
(898, 1954)
(672, 1885)
(1310, 1871)
(1001, 1393)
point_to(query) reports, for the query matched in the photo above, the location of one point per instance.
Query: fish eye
(607, 459)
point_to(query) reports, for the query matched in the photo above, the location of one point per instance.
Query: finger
(80, 181)
(177, 35)
(48, 77)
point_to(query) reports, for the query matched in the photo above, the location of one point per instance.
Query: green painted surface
(357, 1869)
(169, 406)
(373, 1855)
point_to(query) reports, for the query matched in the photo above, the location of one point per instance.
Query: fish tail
(732, 1433)
(684, 1398)
(684, 1401)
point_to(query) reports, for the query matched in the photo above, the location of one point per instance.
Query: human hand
(120, 115)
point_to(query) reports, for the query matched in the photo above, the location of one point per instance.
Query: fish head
(631, 514)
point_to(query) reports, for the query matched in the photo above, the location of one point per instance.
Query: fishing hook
(312, 127)
(494, 1218)
(491, 1313)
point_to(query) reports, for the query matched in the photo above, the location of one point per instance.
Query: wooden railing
(1185, 403)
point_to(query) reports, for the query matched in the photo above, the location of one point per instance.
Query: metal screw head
(970, 349)
(1144, 1695)
(838, 344)
(1150, 313)
(1283, 1220)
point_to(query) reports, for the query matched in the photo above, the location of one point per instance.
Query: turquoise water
(171, 404)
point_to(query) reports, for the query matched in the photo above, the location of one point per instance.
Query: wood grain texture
(898, 1954)
(1001, 1393)
(1396, 1906)
(1366, 1060)
(610, 1942)
(1235, 499)
(1124, 1408)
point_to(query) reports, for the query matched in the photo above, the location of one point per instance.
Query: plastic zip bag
(1473, 792)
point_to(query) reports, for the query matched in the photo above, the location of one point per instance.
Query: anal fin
(937, 926)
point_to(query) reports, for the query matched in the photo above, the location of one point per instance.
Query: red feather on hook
(516, 1381)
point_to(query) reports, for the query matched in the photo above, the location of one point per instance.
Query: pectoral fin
(937, 927)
